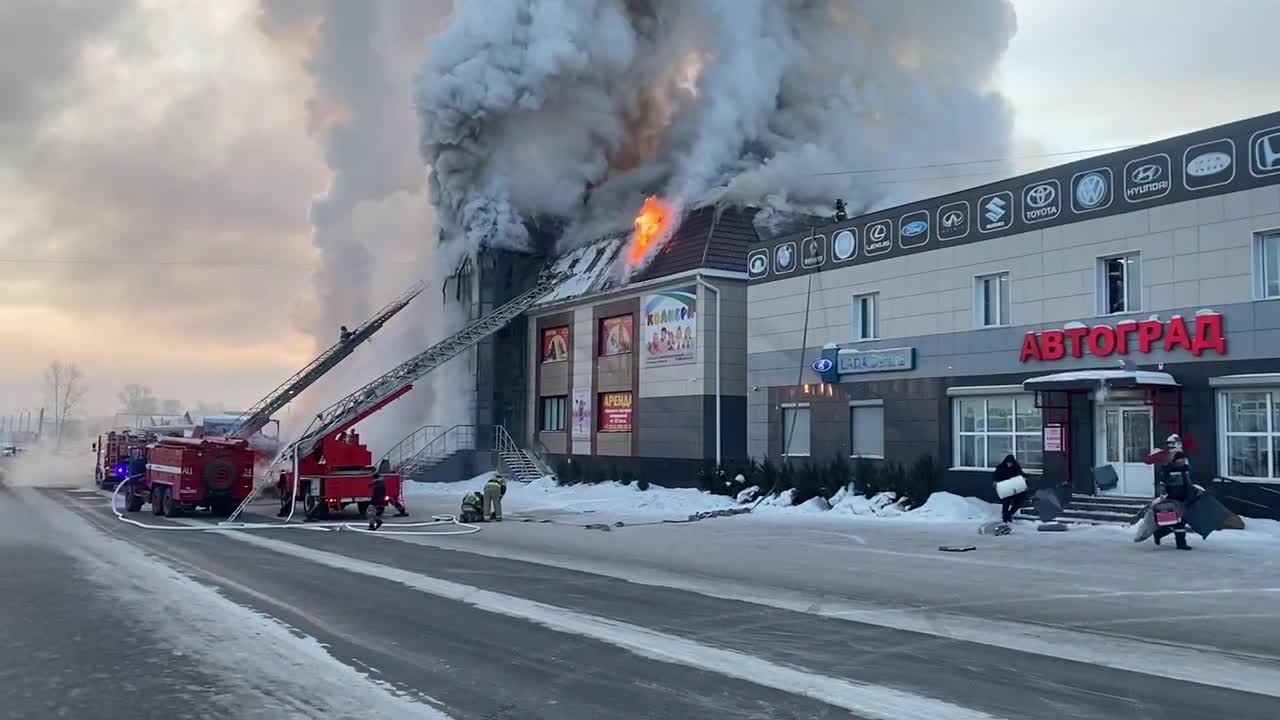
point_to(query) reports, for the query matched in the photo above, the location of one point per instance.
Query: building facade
(649, 376)
(1072, 317)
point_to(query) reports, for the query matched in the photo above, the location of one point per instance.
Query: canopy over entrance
(1096, 379)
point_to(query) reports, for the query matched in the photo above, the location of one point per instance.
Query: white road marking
(1201, 665)
(864, 699)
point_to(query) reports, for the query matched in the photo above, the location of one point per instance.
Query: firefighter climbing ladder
(363, 402)
(256, 417)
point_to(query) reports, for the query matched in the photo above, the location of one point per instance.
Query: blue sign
(857, 362)
(822, 365)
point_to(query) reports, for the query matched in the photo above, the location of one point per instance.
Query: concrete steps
(1095, 509)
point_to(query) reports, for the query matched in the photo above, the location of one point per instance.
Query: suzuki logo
(1041, 195)
(1264, 152)
(952, 219)
(1146, 173)
(995, 209)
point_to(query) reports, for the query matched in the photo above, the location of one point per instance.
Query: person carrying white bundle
(1011, 487)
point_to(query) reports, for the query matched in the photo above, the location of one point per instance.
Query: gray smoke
(527, 106)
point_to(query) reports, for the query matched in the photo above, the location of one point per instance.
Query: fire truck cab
(337, 474)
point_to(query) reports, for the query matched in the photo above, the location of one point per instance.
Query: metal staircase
(349, 410)
(410, 445)
(512, 460)
(256, 417)
(439, 449)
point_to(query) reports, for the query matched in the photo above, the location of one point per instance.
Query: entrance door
(1125, 443)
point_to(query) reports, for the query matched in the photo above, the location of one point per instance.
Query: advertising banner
(581, 413)
(670, 327)
(555, 344)
(615, 412)
(615, 335)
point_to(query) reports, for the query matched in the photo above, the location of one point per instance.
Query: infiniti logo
(1041, 195)
(952, 219)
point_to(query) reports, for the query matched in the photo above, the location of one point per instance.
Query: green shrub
(768, 476)
(865, 477)
(921, 482)
(892, 478)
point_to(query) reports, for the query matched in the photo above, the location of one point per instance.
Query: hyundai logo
(822, 365)
(1146, 173)
(952, 219)
(1041, 195)
(915, 228)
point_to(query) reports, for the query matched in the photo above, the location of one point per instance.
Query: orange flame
(653, 221)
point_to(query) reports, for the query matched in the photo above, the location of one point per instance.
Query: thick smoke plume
(531, 107)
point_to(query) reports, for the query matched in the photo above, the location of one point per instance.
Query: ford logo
(822, 365)
(915, 228)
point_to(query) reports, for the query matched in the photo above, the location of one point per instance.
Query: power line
(975, 162)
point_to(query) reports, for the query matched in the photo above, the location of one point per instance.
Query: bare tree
(137, 399)
(66, 387)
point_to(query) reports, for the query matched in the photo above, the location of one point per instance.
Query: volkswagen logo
(1146, 173)
(1041, 195)
(877, 232)
(822, 365)
(915, 228)
(952, 219)
(1091, 190)
(758, 264)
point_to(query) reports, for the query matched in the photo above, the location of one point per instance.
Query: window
(866, 428)
(986, 429)
(864, 317)
(1250, 422)
(991, 300)
(795, 430)
(615, 335)
(1266, 254)
(553, 412)
(1119, 284)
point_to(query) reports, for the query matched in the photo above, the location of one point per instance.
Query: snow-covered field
(612, 502)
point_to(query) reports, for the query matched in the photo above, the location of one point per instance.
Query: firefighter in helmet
(494, 489)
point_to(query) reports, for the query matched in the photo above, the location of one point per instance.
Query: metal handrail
(410, 444)
(456, 438)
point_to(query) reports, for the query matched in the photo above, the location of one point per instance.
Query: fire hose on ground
(449, 524)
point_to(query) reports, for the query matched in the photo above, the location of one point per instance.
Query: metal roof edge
(593, 298)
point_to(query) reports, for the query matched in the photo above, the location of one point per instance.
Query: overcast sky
(158, 159)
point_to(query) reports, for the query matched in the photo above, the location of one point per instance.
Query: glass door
(1125, 444)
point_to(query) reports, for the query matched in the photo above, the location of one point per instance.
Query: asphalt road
(98, 624)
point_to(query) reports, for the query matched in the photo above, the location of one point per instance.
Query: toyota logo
(877, 232)
(952, 219)
(1146, 173)
(822, 365)
(1041, 195)
(757, 264)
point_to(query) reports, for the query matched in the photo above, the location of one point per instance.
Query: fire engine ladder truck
(256, 417)
(382, 391)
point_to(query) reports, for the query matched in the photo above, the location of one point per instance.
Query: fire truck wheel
(362, 508)
(132, 501)
(170, 505)
(157, 497)
(312, 507)
(222, 508)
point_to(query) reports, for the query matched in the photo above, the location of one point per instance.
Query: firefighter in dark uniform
(472, 508)
(384, 468)
(1178, 491)
(377, 501)
(494, 489)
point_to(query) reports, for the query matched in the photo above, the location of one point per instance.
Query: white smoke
(527, 105)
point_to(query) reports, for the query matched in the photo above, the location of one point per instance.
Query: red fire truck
(112, 456)
(337, 474)
(185, 474)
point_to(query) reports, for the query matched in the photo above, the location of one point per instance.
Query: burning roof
(712, 237)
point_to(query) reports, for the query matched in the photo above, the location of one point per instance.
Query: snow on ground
(258, 657)
(613, 499)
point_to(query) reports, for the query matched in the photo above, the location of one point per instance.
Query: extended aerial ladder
(382, 391)
(257, 417)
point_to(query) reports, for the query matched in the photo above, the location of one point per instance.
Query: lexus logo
(1146, 173)
(952, 219)
(1041, 195)
(877, 232)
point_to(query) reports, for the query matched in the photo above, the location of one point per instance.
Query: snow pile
(942, 507)
(545, 495)
(945, 507)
